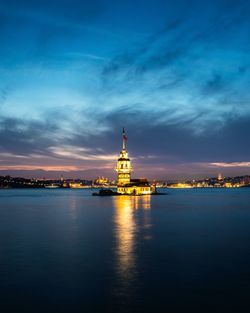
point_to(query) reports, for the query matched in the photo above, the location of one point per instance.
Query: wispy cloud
(48, 168)
(79, 153)
(232, 164)
(79, 55)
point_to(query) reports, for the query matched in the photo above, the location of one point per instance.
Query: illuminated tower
(123, 167)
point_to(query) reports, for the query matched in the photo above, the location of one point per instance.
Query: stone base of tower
(134, 190)
(136, 187)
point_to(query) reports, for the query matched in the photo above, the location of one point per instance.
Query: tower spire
(124, 139)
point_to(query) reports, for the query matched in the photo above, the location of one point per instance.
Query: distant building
(126, 185)
(76, 185)
(101, 181)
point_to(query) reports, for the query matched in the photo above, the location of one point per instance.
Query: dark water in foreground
(66, 251)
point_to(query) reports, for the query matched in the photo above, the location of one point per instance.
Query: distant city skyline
(175, 74)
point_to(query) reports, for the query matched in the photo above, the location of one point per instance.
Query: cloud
(24, 137)
(232, 164)
(48, 168)
(214, 85)
(137, 58)
(188, 74)
(78, 153)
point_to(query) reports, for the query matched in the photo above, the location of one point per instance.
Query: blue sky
(174, 73)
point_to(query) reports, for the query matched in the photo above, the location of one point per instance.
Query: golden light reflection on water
(128, 227)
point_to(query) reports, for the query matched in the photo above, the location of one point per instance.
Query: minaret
(123, 167)
(220, 177)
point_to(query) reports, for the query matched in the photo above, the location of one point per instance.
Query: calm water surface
(66, 251)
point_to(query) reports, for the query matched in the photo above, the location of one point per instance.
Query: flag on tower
(123, 135)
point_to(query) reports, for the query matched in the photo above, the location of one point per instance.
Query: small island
(126, 185)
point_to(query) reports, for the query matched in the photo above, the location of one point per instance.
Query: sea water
(63, 250)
